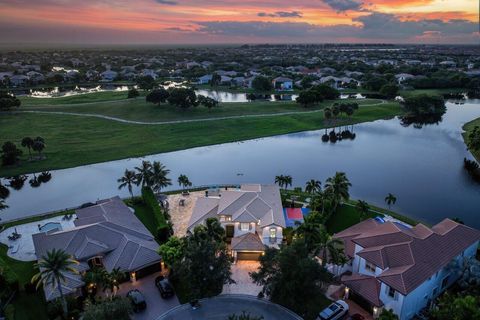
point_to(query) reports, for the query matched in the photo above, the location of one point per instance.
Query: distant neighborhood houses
(287, 67)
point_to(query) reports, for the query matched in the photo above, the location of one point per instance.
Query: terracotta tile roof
(366, 286)
(409, 256)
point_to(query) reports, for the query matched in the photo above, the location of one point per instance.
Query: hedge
(163, 228)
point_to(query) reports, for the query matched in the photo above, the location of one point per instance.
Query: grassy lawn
(23, 271)
(73, 141)
(468, 127)
(409, 93)
(144, 214)
(76, 99)
(139, 110)
(30, 306)
(27, 306)
(345, 217)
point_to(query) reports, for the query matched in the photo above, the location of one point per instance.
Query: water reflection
(424, 168)
(16, 183)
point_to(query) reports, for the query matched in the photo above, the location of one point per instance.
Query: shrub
(163, 229)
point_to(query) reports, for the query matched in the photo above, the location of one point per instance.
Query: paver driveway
(244, 284)
(155, 304)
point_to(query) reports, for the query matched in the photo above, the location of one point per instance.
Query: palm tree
(159, 176)
(310, 230)
(288, 181)
(330, 249)
(53, 267)
(362, 208)
(144, 173)
(339, 186)
(17, 182)
(3, 205)
(4, 191)
(27, 142)
(183, 181)
(280, 180)
(327, 113)
(38, 145)
(128, 180)
(390, 199)
(112, 280)
(313, 186)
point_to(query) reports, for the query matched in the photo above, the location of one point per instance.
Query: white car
(334, 311)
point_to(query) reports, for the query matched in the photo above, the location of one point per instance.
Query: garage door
(248, 255)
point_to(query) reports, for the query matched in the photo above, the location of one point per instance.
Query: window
(273, 233)
(244, 226)
(391, 293)
(369, 266)
(228, 218)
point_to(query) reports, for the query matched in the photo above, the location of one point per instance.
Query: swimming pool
(51, 226)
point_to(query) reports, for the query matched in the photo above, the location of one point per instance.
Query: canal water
(421, 165)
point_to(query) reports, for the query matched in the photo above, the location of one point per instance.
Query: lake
(423, 167)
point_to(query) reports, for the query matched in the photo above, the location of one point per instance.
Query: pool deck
(22, 249)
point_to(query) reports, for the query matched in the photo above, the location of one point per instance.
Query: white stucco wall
(265, 235)
(406, 307)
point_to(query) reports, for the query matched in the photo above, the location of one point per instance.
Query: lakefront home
(252, 216)
(282, 84)
(106, 235)
(403, 268)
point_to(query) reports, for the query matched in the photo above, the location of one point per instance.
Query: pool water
(51, 226)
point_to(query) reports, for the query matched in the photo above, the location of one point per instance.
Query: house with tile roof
(404, 268)
(106, 235)
(252, 216)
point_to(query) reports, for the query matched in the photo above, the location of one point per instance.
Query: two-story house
(394, 266)
(251, 215)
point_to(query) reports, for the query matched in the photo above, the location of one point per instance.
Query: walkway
(221, 307)
(100, 116)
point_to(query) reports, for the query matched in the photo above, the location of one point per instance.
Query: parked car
(137, 299)
(164, 286)
(334, 311)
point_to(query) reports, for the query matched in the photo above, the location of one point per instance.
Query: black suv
(164, 286)
(137, 299)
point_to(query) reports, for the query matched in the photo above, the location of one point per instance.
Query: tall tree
(38, 145)
(205, 265)
(10, 153)
(280, 180)
(330, 249)
(128, 179)
(157, 96)
(53, 267)
(27, 142)
(291, 277)
(183, 181)
(159, 176)
(4, 191)
(313, 186)
(390, 199)
(288, 181)
(3, 205)
(459, 307)
(144, 174)
(362, 208)
(339, 186)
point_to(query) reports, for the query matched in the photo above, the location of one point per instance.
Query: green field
(76, 99)
(139, 110)
(75, 140)
(468, 127)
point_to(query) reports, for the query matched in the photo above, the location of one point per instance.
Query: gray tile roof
(251, 203)
(247, 242)
(116, 235)
(408, 256)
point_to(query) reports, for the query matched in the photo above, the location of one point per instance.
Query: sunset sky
(236, 21)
